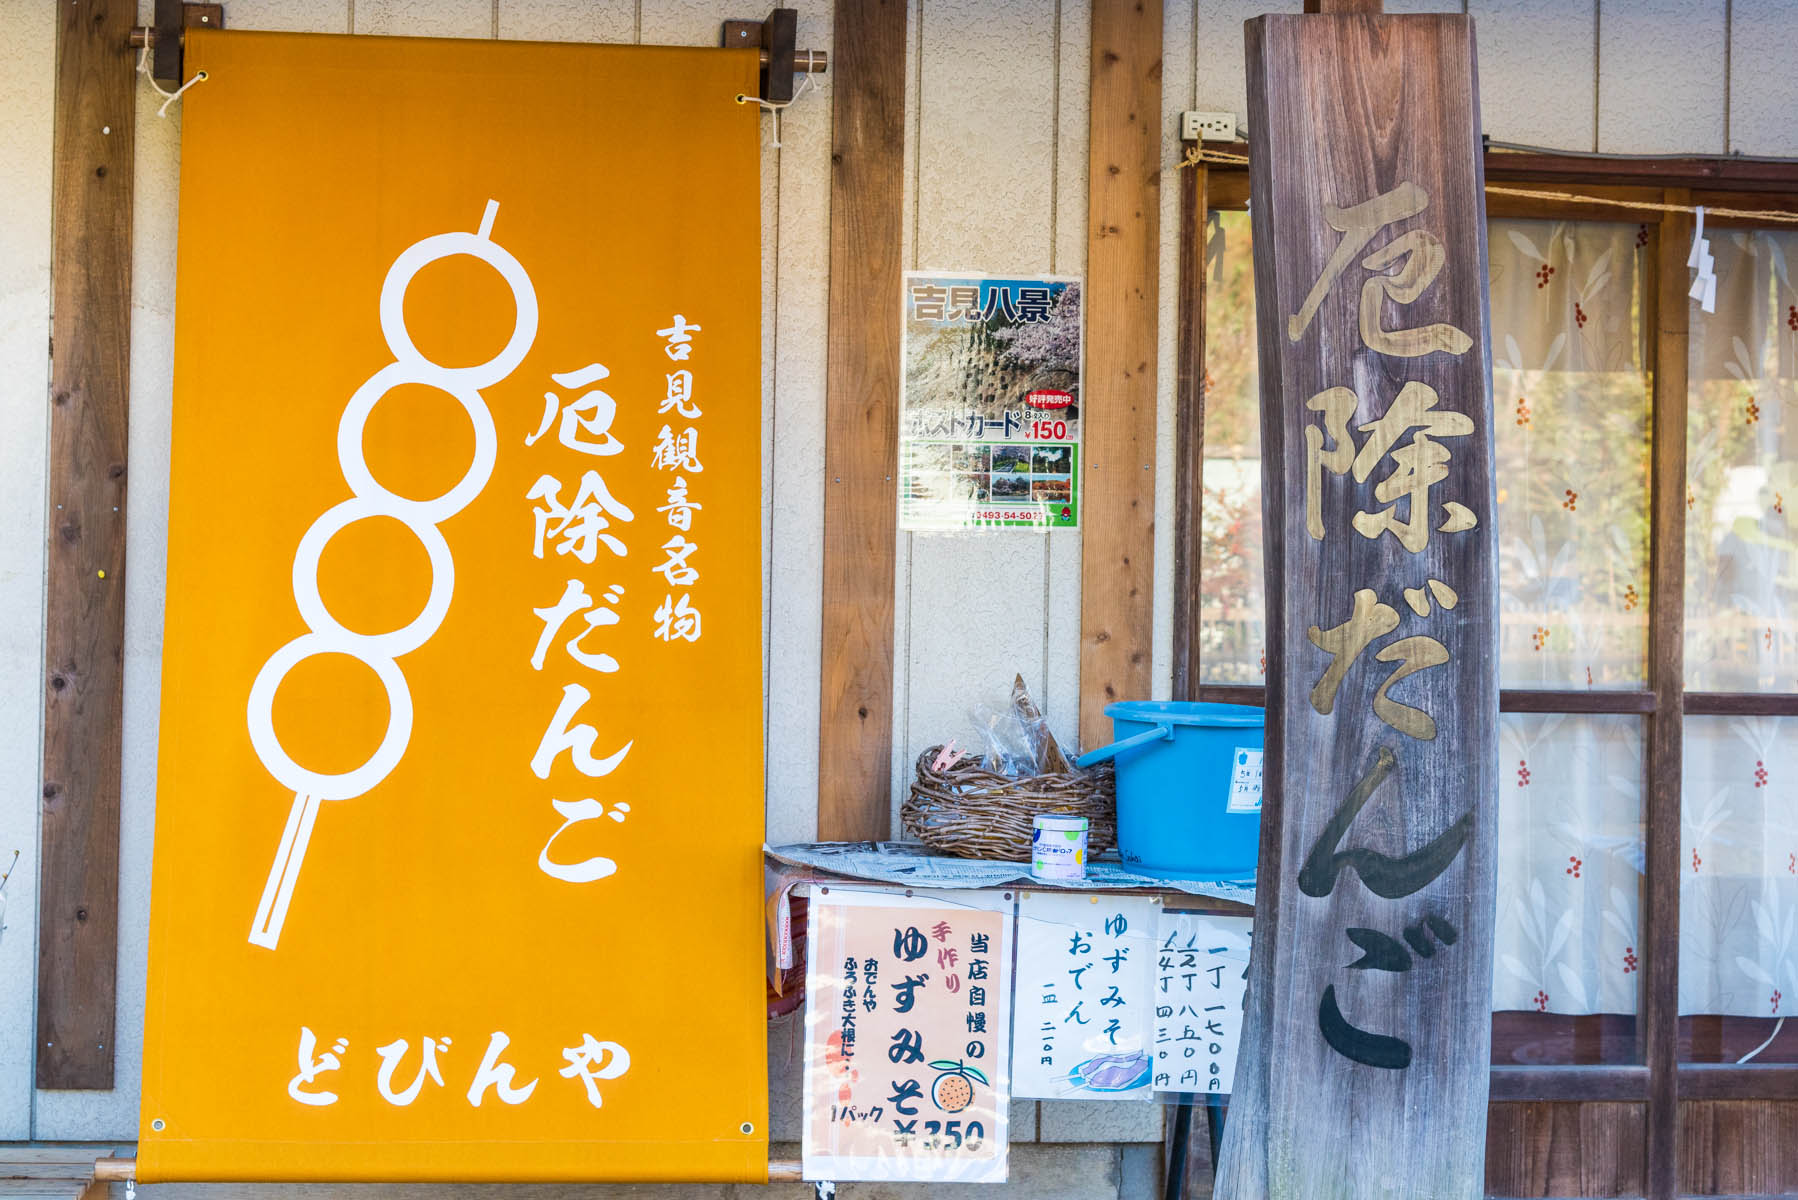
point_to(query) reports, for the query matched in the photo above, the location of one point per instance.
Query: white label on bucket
(1245, 782)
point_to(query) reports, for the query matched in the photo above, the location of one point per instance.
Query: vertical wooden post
(1189, 433)
(1122, 282)
(1364, 1064)
(1658, 1028)
(861, 420)
(85, 601)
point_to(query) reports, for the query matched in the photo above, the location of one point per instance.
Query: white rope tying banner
(777, 108)
(143, 58)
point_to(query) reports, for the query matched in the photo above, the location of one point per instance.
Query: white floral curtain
(1571, 437)
(1739, 836)
(1571, 395)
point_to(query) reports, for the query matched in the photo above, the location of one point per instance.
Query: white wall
(27, 56)
(995, 181)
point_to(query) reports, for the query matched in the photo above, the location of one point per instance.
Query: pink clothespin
(947, 757)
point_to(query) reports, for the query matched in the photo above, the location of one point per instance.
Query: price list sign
(907, 1019)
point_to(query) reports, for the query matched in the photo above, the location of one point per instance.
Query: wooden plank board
(1543, 1149)
(1117, 582)
(1364, 1065)
(1738, 1147)
(861, 420)
(84, 636)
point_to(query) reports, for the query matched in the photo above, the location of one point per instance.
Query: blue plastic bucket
(1189, 787)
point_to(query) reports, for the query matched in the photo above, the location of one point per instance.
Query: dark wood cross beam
(1364, 1061)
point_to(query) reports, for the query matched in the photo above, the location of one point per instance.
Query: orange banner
(457, 870)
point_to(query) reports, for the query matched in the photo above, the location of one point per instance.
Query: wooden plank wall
(996, 178)
(855, 719)
(1122, 290)
(84, 648)
(1565, 1149)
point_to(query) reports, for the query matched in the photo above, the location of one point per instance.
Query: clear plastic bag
(1018, 740)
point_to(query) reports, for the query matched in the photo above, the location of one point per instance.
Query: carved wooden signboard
(1364, 1065)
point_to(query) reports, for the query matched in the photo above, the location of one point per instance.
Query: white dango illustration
(369, 499)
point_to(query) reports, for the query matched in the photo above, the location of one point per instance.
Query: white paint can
(1058, 847)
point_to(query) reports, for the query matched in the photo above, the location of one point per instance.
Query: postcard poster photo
(989, 419)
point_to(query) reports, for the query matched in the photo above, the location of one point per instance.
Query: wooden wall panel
(1122, 297)
(1738, 1147)
(1763, 89)
(84, 646)
(799, 248)
(28, 64)
(861, 420)
(1564, 1149)
(976, 602)
(1661, 74)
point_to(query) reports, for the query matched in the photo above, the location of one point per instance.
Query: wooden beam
(1189, 434)
(861, 420)
(1659, 1027)
(1740, 704)
(1117, 581)
(84, 636)
(1510, 700)
(1735, 174)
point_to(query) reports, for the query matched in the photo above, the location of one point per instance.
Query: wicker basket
(970, 812)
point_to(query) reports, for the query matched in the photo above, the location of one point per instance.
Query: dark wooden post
(84, 637)
(1364, 1063)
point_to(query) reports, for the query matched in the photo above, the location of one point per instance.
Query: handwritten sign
(1201, 964)
(463, 620)
(907, 1019)
(1084, 1008)
(1371, 974)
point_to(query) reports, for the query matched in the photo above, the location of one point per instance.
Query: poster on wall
(989, 411)
(1201, 970)
(907, 1020)
(1085, 1005)
(464, 567)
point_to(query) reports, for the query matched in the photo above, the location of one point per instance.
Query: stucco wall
(995, 181)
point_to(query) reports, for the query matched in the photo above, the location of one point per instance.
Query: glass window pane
(1571, 399)
(1232, 637)
(1572, 404)
(1742, 471)
(1566, 962)
(1738, 921)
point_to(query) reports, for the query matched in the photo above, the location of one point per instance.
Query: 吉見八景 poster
(989, 414)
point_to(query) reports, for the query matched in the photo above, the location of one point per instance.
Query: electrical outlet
(1207, 126)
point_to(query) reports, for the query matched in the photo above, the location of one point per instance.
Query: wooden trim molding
(861, 403)
(1569, 1083)
(84, 635)
(1510, 700)
(1117, 584)
(1740, 704)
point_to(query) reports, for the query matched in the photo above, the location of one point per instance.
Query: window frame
(1658, 1078)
